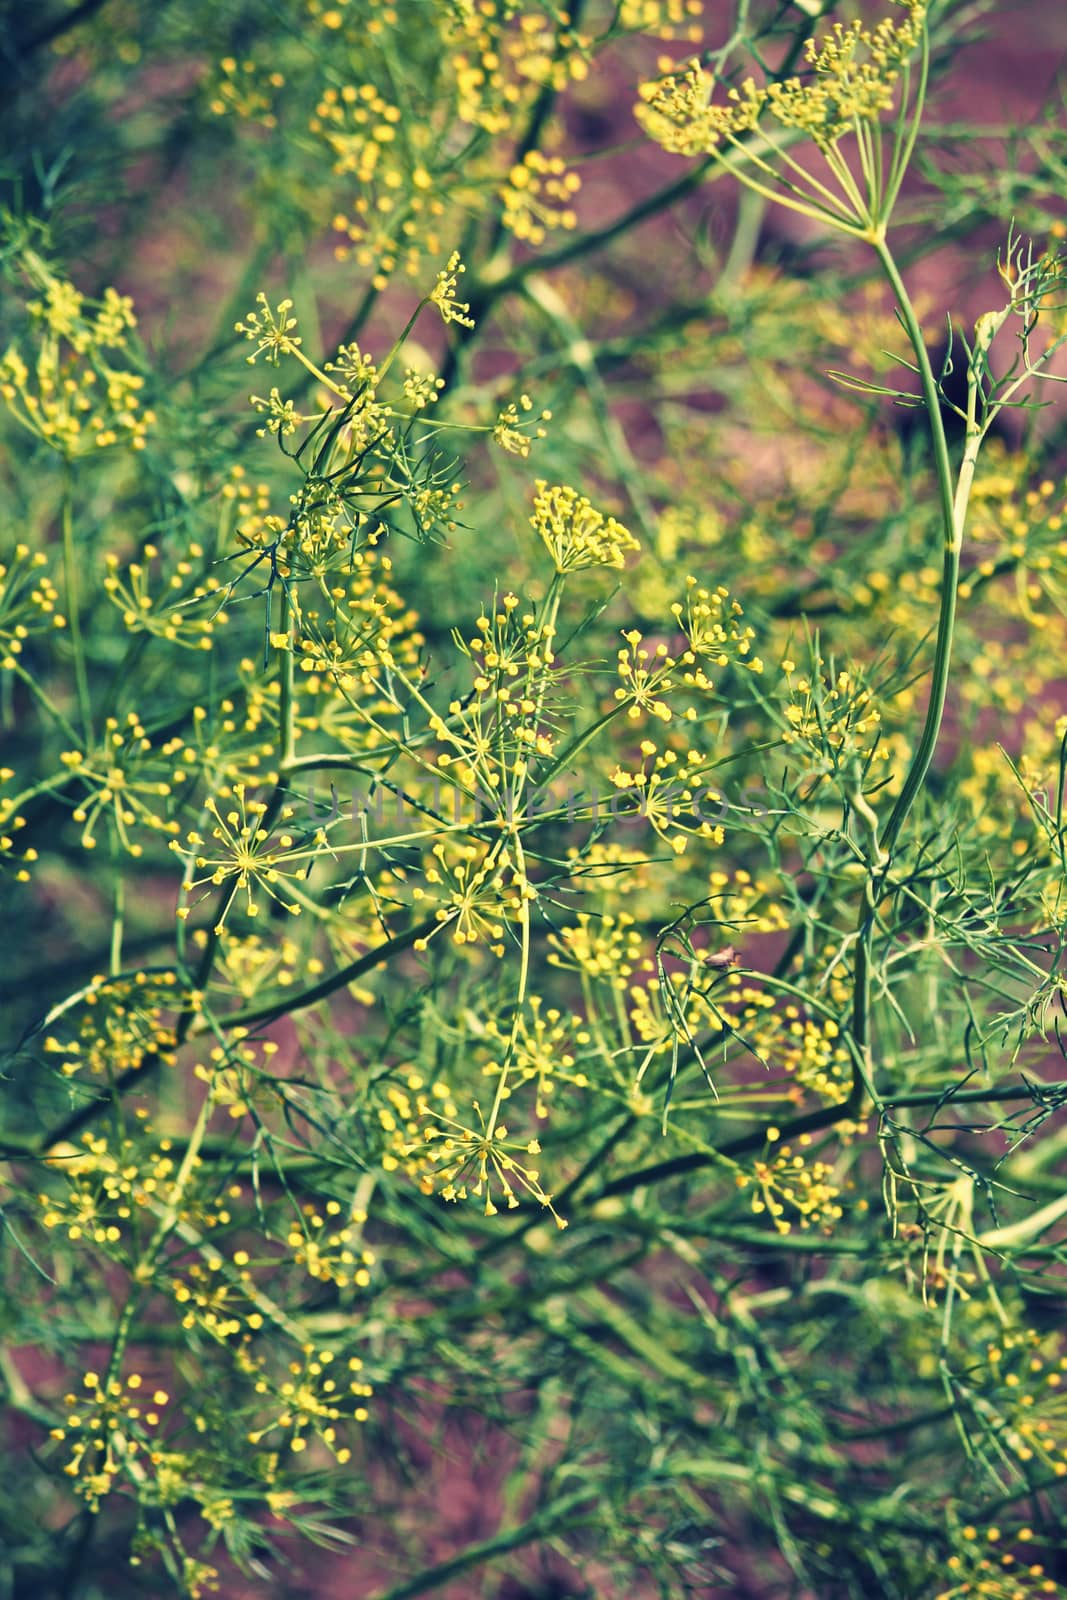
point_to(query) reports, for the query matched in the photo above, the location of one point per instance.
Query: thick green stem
(953, 495)
(567, 1510)
(118, 918)
(953, 503)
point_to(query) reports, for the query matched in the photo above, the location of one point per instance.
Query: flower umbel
(856, 75)
(575, 534)
(464, 1161)
(443, 294)
(249, 856)
(270, 331)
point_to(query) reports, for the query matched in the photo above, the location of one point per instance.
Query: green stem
(70, 600)
(751, 210)
(258, 1016)
(44, 700)
(580, 353)
(564, 1510)
(286, 731)
(903, 147)
(491, 289)
(953, 501)
(118, 920)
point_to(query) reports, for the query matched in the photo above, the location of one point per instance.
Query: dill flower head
(460, 1162)
(676, 112)
(270, 330)
(443, 294)
(576, 535)
(248, 855)
(853, 74)
(28, 602)
(538, 195)
(72, 395)
(516, 433)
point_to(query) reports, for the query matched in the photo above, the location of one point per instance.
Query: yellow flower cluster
(393, 217)
(516, 433)
(227, 744)
(493, 735)
(551, 57)
(216, 1298)
(123, 1021)
(443, 294)
(330, 14)
(241, 497)
(12, 821)
(1004, 794)
(575, 534)
(426, 1139)
(664, 19)
(709, 620)
(128, 588)
(470, 1162)
(808, 1049)
(270, 329)
(124, 778)
(106, 1187)
(609, 948)
(646, 677)
(359, 126)
(676, 113)
(28, 602)
(741, 904)
(497, 65)
(329, 1250)
(250, 857)
(539, 1049)
(421, 389)
(791, 1189)
(712, 636)
(855, 71)
(247, 91)
(1029, 1381)
(538, 195)
(832, 716)
(1018, 538)
(246, 964)
(981, 1567)
(669, 793)
(367, 628)
(310, 1401)
(399, 1119)
(109, 1430)
(237, 1077)
(478, 892)
(72, 394)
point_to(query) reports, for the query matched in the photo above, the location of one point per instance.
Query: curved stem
(953, 496)
(953, 499)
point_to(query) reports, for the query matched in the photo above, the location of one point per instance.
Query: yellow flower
(443, 294)
(538, 195)
(576, 535)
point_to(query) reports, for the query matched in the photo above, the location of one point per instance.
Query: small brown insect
(726, 957)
